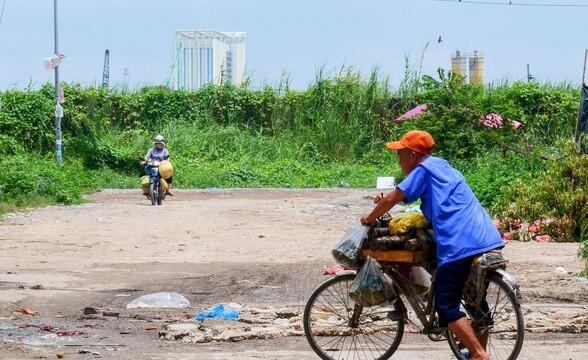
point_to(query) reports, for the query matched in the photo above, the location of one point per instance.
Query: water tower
(458, 64)
(476, 69)
(469, 65)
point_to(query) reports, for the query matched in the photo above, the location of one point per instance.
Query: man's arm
(149, 154)
(391, 199)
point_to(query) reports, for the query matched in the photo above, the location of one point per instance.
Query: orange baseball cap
(415, 140)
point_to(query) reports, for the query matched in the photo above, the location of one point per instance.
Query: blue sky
(295, 37)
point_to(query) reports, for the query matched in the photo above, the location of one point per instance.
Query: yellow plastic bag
(166, 169)
(403, 223)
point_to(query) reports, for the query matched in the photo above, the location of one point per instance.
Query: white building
(202, 57)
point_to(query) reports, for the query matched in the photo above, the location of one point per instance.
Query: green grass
(29, 201)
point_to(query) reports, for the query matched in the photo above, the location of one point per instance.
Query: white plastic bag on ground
(160, 300)
(347, 250)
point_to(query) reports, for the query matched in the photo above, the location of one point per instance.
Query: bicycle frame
(425, 311)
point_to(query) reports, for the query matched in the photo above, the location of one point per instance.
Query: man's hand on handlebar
(384, 204)
(366, 221)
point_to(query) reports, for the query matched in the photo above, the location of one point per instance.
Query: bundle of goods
(402, 231)
(408, 231)
(404, 238)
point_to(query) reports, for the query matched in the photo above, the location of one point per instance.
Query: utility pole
(580, 127)
(125, 79)
(529, 76)
(106, 70)
(58, 107)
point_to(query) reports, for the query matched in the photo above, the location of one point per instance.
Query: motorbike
(157, 186)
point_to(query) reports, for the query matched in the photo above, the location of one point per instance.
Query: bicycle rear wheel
(328, 325)
(501, 322)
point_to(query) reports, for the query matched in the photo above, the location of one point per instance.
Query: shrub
(492, 174)
(25, 175)
(559, 193)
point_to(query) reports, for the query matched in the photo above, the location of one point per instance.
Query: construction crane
(126, 79)
(106, 70)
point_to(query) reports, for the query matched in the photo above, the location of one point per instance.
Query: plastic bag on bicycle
(346, 252)
(404, 222)
(371, 286)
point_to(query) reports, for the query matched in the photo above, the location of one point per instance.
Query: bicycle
(338, 328)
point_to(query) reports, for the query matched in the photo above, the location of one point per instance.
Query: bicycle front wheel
(498, 321)
(337, 328)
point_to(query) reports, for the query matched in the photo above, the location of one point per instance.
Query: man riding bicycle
(463, 229)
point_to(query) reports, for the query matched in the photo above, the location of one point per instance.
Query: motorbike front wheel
(160, 195)
(153, 193)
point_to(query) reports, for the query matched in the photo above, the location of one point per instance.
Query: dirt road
(253, 247)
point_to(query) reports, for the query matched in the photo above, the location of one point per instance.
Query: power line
(510, 3)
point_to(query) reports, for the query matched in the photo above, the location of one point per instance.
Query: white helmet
(159, 139)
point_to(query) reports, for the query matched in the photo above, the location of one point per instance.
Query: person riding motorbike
(158, 152)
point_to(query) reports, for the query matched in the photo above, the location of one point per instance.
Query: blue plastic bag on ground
(218, 312)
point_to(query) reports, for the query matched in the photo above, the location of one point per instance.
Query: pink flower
(524, 227)
(537, 224)
(492, 121)
(534, 228)
(496, 223)
(543, 238)
(507, 236)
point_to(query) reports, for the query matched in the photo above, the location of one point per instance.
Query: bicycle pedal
(397, 315)
(437, 330)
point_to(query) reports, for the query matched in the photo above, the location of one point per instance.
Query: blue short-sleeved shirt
(462, 227)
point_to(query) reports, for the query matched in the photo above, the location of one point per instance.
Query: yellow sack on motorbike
(164, 185)
(145, 184)
(405, 222)
(166, 169)
(145, 181)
